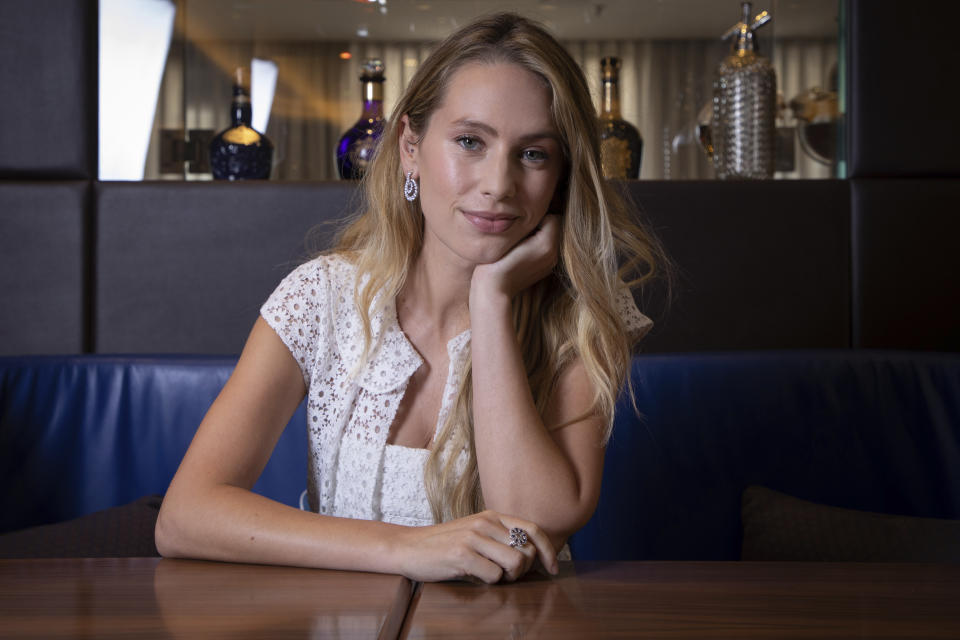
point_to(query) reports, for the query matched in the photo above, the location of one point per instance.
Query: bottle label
(241, 135)
(614, 157)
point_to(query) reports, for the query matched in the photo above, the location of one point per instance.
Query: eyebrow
(477, 124)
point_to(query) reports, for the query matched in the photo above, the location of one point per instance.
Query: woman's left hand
(531, 260)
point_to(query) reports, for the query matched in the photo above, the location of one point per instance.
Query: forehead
(503, 92)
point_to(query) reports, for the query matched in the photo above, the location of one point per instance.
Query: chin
(490, 255)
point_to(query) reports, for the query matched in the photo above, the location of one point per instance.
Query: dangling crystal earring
(410, 188)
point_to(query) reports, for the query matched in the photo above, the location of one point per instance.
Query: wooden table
(103, 598)
(699, 600)
(149, 597)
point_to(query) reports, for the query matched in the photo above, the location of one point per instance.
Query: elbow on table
(561, 529)
(582, 518)
(168, 535)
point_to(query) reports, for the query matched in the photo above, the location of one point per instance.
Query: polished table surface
(148, 597)
(699, 600)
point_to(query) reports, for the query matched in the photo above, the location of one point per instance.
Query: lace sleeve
(299, 311)
(637, 324)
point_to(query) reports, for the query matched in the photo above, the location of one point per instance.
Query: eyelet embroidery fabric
(637, 324)
(351, 471)
(403, 498)
(349, 417)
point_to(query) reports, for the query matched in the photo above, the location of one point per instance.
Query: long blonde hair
(570, 314)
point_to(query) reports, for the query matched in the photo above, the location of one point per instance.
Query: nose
(498, 180)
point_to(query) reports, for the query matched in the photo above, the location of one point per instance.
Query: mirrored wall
(168, 70)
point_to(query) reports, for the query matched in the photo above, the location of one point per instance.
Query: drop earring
(410, 188)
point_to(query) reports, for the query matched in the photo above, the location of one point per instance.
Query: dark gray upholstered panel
(184, 267)
(42, 267)
(48, 83)
(907, 263)
(901, 108)
(760, 265)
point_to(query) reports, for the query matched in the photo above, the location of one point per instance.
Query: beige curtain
(663, 86)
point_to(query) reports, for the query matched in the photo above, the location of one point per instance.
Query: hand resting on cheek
(528, 262)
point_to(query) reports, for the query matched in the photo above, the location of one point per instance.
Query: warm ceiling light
(345, 55)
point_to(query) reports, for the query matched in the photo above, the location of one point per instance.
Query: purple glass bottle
(357, 146)
(240, 152)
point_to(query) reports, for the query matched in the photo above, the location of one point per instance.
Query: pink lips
(490, 222)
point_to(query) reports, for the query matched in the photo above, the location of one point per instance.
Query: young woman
(461, 349)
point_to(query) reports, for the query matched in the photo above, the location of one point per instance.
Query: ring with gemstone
(518, 537)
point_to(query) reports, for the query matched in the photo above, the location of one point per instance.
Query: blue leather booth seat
(872, 431)
(83, 433)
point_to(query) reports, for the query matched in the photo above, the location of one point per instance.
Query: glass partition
(169, 70)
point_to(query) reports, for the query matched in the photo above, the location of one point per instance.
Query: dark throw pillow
(777, 526)
(125, 531)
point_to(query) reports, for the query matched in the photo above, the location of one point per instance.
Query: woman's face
(488, 163)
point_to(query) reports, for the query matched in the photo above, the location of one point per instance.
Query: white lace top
(352, 472)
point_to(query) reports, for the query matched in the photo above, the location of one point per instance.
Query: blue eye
(534, 155)
(469, 143)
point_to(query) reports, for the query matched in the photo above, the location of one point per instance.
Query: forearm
(232, 524)
(522, 469)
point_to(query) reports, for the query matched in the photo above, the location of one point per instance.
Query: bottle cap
(372, 70)
(241, 81)
(743, 33)
(610, 65)
(241, 76)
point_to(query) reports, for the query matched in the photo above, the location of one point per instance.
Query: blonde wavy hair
(570, 314)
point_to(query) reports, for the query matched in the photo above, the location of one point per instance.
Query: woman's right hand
(475, 547)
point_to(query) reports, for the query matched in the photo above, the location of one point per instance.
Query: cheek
(442, 178)
(542, 193)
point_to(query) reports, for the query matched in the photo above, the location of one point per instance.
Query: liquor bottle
(356, 147)
(744, 105)
(683, 157)
(621, 145)
(240, 152)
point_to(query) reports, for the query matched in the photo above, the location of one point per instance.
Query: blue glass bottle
(356, 147)
(240, 152)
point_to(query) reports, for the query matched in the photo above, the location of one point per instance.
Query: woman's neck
(436, 294)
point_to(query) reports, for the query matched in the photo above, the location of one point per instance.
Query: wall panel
(906, 264)
(42, 267)
(184, 267)
(758, 265)
(48, 81)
